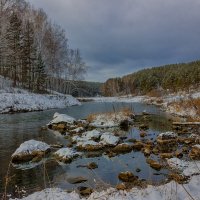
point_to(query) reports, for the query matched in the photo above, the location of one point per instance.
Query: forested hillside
(171, 78)
(33, 50)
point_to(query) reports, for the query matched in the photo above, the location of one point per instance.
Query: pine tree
(28, 56)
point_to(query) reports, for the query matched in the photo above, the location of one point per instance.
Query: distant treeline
(33, 49)
(75, 88)
(171, 78)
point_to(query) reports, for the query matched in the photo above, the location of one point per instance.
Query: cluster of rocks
(84, 136)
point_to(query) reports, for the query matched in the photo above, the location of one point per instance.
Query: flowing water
(17, 128)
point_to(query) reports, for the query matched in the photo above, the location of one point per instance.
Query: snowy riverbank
(19, 100)
(171, 190)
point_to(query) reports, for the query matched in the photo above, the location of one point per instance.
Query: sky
(118, 37)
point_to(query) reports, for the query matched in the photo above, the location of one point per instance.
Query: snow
(31, 146)
(171, 190)
(58, 118)
(123, 99)
(67, 153)
(109, 139)
(85, 143)
(168, 135)
(52, 193)
(94, 134)
(17, 100)
(77, 130)
(188, 168)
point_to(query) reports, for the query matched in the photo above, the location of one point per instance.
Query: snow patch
(188, 168)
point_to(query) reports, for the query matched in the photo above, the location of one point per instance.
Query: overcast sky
(117, 37)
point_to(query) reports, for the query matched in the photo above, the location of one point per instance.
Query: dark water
(17, 128)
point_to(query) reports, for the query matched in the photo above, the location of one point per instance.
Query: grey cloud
(117, 37)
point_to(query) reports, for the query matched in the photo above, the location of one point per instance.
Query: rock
(124, 125)
(121, 186)
(154, 164)
(179, 154)
(167, 138)
(108, 139)
(66, 155)
(155, 150)
(85, 191)
(133, 140)
(92, 165)
(138, 170)
(122, 148)
(127, 177)
(146, 151)
(195, 152)
(178, 178)
(185, 149)
(166, 155)
(143, 134)
(75, 180)
(29, 150)
(57, 146)
(143, 127)
(89, 146)
(138, 146)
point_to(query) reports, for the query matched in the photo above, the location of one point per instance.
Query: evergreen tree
(28, 56)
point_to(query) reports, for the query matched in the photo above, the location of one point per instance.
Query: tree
(40, 74)
(14, 38)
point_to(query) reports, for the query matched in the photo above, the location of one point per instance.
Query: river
(17, 128)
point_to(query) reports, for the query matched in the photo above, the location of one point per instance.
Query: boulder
(76, 180)
(66, 155)
(89, 145)
(108, 139)
(122, 148)
(166, 155)
(29, 150)
(167, 138)
(92, 165)
(121, 186)
(178, 178)
(127, 177)
(138, 145)
(154, 164)
(84, 191)
(195, 152)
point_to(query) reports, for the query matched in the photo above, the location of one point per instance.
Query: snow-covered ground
(19, 100)
(169, 191)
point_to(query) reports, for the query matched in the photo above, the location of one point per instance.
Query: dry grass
(126, 111)
(186, 105)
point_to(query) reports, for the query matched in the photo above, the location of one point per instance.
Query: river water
(17, 128)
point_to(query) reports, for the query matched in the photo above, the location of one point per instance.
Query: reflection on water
(17, 128)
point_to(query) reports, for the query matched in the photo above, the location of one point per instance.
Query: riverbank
(13, 100)
(179, 104)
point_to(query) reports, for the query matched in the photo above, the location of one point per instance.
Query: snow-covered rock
(30, 149)
(62, 118)
(88, 145)
(109, 139)
(167, 135)
(94, 134)
(66, 154)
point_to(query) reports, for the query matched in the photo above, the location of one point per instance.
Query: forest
(34, 51)
(168, 78)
